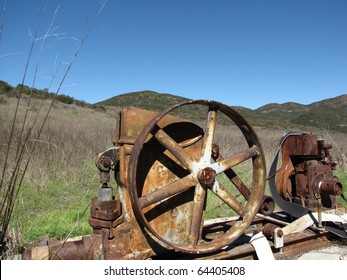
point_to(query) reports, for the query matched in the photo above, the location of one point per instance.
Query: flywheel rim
(258, 183)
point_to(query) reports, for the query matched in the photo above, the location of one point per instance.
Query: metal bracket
(278, 238)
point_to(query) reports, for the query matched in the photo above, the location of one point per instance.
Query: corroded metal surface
(306, 174)
(85, 248)
(186, 173)
(165, 168)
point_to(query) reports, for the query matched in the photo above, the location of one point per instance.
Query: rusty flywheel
(183, 159)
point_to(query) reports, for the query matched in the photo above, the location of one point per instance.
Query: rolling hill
(146, 99)
(328, 115)
(325, 115)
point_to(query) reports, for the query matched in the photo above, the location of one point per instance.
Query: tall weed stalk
(15, 164)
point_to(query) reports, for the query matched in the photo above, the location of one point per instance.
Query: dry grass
(62, 178)
(21, 132)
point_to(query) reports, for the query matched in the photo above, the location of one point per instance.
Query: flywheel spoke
(209, 135)
(169, 210)
(169, 190)
(228, 198)
(197, 215)
(234, 160)
(238, 183)
(181, 154)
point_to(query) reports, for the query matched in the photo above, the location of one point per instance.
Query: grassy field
(62, 178)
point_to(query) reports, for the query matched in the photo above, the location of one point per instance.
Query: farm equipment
(167, 167)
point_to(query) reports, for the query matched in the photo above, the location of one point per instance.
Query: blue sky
(240, 52)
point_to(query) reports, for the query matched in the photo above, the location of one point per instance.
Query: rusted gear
(195, 173)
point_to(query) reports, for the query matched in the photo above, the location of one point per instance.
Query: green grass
(62, 177)
(56, 223)
(341, 173)
(54, 207)
(216, 208)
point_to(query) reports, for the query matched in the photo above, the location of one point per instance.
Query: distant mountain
(286, 107)
(146, 99)
(326, 115)
(155, 101)
(339, 102)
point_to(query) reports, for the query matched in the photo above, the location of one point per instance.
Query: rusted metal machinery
(166, 167)
(306, 175)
